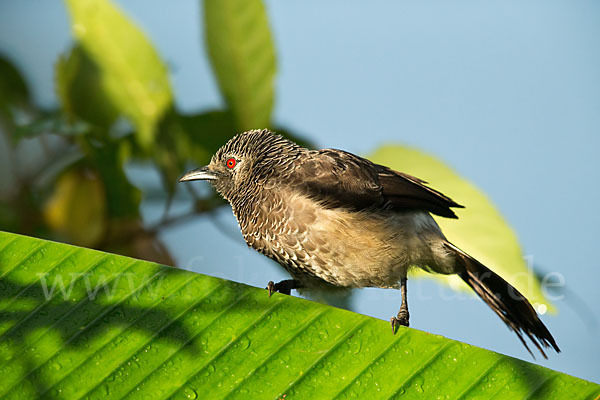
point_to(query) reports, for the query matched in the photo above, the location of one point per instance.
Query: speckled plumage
(318, 214)
(336, 220)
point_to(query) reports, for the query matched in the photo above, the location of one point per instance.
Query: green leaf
(108, 158)
(134, 75)
(150, 331)
(83, 89)
(14, 97)
(480, 230)
(13, 88)
(77, 208)
(50, 122)
(243, 58)
(203, 134)
(9, 217)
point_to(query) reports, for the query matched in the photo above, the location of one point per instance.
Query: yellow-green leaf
(243, 58)
(135, 77)
(480, 230)
(77, 208)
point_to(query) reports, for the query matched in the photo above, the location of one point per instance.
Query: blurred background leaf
(108, 159)
(133, 74)
(13, 89)
(14, 94)
(76, 209)
(83, 89)
(243, 58)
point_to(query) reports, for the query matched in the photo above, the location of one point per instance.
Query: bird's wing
(340, 179)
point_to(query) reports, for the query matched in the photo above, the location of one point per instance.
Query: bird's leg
(402, 317)
(284, 287)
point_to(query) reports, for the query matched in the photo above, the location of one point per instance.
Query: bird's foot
(400, 320)
(283, 287)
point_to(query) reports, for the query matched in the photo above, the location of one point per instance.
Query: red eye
(230, 163)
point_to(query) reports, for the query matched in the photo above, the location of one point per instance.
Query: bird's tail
(506, 301)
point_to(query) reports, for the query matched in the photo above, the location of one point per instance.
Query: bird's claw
(283, 287)
(400, 320)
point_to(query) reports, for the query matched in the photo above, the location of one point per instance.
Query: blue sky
(506, 92)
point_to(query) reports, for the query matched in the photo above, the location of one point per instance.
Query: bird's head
(247, 160)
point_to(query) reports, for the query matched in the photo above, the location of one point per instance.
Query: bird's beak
(199, 174)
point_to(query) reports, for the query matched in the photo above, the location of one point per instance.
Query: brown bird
(336, 220)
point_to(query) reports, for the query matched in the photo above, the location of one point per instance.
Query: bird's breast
(342, 247)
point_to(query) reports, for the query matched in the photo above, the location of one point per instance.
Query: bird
(335, 220)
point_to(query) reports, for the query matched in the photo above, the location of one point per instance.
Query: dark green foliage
(14, 95)
(80, 88)
(13, 89)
